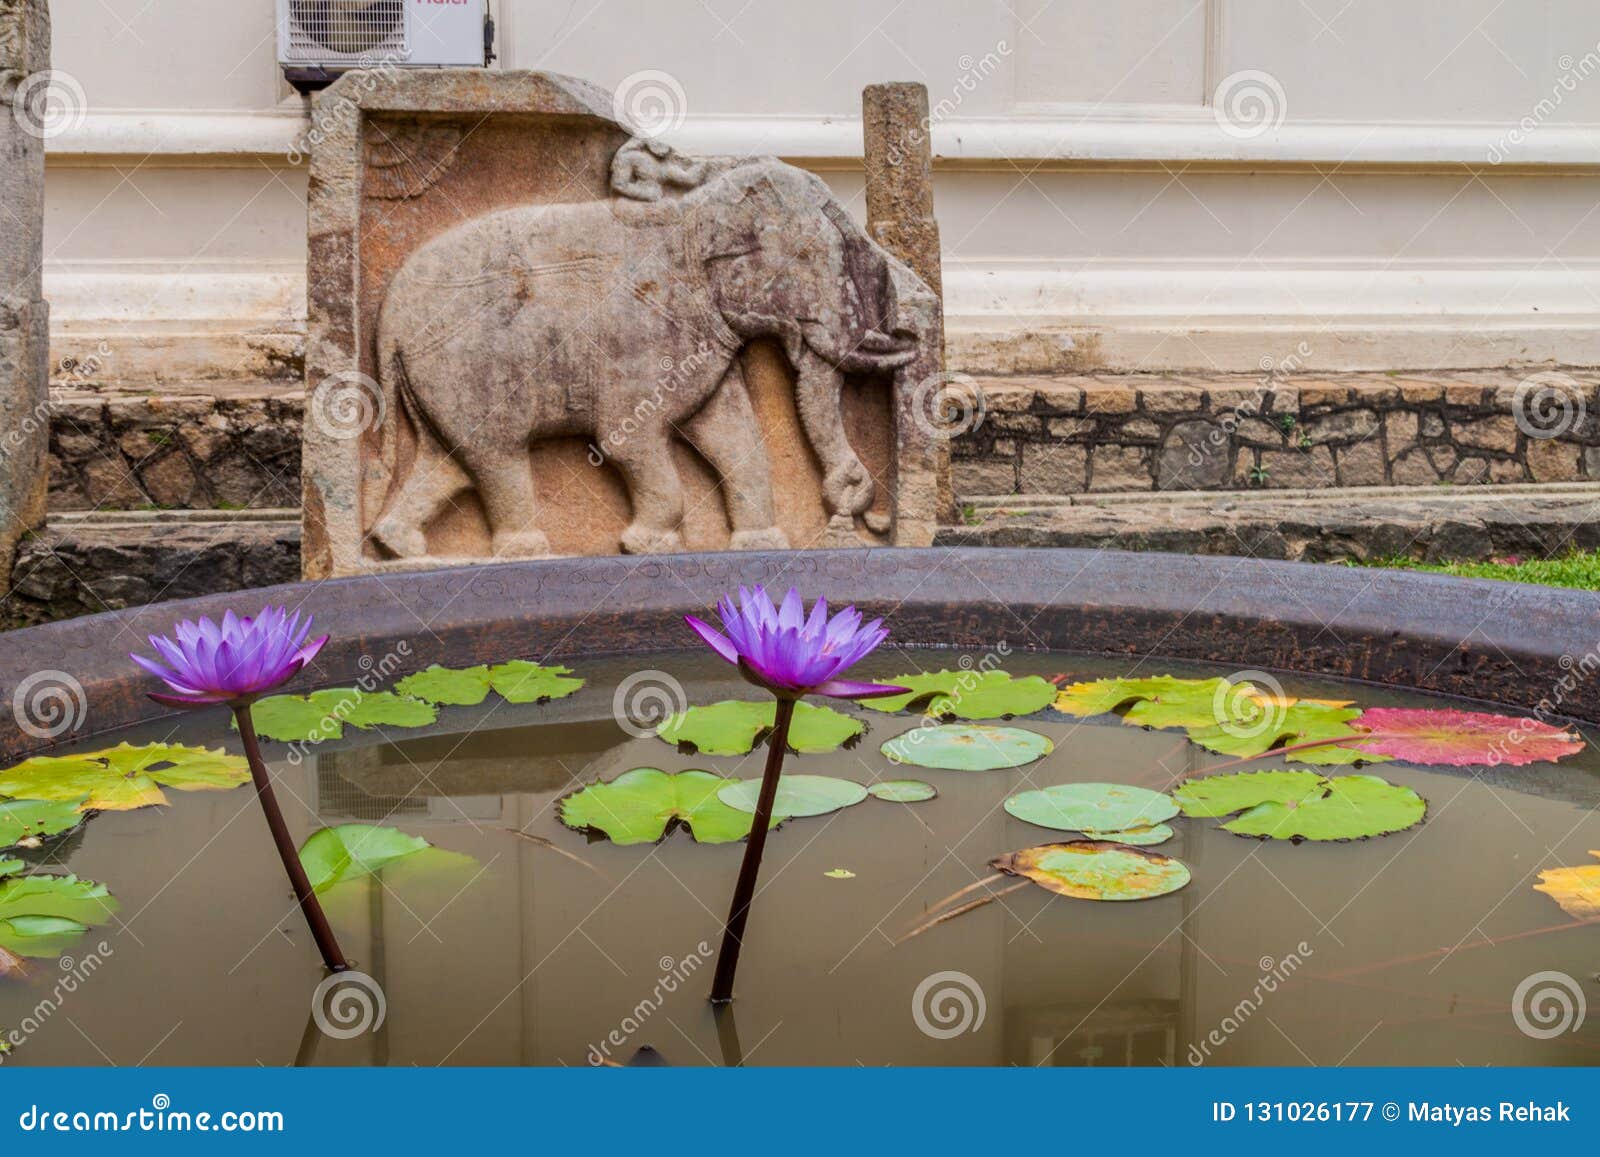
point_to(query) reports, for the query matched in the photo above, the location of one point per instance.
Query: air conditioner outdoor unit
(319, 39)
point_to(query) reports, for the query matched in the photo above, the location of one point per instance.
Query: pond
(566, 950)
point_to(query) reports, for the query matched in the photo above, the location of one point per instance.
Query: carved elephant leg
(435, 479)
(505, 484)
(726, 434)
(656, 492)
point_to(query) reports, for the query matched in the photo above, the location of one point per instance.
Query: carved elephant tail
(397, 398)
(391, 391)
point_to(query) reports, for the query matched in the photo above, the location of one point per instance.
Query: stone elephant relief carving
(620, 321)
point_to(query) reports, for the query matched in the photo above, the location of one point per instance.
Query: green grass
(1580, 571)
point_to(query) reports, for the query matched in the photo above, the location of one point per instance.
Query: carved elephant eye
(733, 251)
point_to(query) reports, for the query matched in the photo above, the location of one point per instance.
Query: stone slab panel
(533, 334)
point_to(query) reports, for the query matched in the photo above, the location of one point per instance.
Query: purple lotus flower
(790, 653)
(232, 663)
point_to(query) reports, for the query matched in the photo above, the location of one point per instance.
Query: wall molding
(187, 322)
(1157, 135)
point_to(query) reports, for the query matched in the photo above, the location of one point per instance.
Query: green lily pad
(520, 681)
(124, 777)
(1092, 807)
(840, 874)
(1223, 795)
(902, 790)
(322, 715)
(1221, 703)
(798, 795)
(1204, 705)
(1303, 805)
(11, 867)
(639, 806)
(1187, 703)
(1353, 807)
(966, 747)
(1096, 870)
(733, 726)
(447, 686)
(967, 694)
(1303, 722)
(1144, 836)
(385, 709)
(333, 856)
(25, 819)
(1104, 696)
(41, 916)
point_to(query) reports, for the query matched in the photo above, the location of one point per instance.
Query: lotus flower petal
(789, 651)
(235, 661)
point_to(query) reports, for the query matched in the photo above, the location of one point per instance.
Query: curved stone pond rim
(1499, 643)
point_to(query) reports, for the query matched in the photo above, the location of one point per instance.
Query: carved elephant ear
(729, 225)
(741, 200)
(406, 158)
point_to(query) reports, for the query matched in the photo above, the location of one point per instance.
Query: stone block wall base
(1114, 432)
(84, 564)
(229, 446)
(1321, 526)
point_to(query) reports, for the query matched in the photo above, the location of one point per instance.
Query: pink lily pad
(1462, 738)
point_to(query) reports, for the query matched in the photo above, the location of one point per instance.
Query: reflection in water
(1413, 944)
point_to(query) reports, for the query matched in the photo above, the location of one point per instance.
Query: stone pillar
(899, 162)
(898, 151)
(24, 316)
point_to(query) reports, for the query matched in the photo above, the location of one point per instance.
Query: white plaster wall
(1390, 210)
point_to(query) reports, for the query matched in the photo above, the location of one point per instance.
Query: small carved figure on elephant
(548, 321)
(644, 167)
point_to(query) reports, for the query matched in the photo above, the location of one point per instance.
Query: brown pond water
(1405, 949)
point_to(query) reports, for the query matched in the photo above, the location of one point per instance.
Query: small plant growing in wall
(1258, 475)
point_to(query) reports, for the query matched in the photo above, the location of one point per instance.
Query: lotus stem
(1344, 974)
(310, 906)
(550, 846)
(1365, 737)
(960, 892)
(728, 1036)
(961, 911)
(744, 891)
